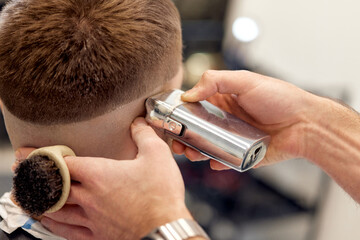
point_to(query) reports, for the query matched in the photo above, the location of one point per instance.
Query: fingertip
(140, 130)
(204, 89)
(177, 147)
(215, 165)
(194, 155)
(190, 95)
(22, 153)
(145, 138)
(139, 121)
(140, 126)
(18, 155)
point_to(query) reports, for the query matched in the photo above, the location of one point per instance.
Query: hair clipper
(208, 129)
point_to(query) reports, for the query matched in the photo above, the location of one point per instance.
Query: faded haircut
(64, 61)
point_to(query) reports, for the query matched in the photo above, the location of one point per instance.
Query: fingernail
(18, 155)
(188, 94)
(139, 122)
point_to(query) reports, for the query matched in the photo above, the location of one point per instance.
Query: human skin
(121, 199)
(106, 136)
(300, 124)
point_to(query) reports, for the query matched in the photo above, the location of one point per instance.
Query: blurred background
(312, 44)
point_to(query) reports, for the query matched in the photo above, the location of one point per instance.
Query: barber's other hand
(126, 199)
(274, 106)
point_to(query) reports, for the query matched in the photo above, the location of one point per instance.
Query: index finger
(87, 170)
(146, 140)
(76, 169)
(20, 155)
(224, 82)
(82, 169)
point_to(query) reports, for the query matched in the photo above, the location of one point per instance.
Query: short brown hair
(65, 61)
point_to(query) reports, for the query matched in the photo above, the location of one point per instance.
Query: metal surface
(177, 230)
(208, 129)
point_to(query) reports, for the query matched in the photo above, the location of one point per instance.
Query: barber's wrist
(180, 229)
(315, 132)
(162, 215)
(333, 144)
(331, 132)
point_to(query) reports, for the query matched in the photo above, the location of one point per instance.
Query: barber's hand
(276, 107)
(112, 199)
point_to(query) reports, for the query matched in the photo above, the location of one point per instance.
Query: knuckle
(80, 197)
(210, 81)
(94, 182)
(208, 75)
(245, 74)
(90, 206)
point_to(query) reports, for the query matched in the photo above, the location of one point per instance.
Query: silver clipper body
(204, 127)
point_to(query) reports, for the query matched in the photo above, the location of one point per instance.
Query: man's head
(65, 63)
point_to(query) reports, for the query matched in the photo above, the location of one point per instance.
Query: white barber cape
(14, 218)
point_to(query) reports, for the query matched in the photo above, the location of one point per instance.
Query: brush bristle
(37, 184)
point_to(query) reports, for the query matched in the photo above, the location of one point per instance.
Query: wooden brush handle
(57, 154)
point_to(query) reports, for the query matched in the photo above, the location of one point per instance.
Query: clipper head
(160, 106)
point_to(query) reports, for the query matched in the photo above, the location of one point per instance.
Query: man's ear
(1, 106)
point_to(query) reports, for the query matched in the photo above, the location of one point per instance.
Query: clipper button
(174, 126)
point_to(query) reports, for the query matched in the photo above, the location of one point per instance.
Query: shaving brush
(41, 183)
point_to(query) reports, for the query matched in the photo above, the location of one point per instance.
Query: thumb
(209, 84)
(202, 90)
(224, 82)
(148, 142)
